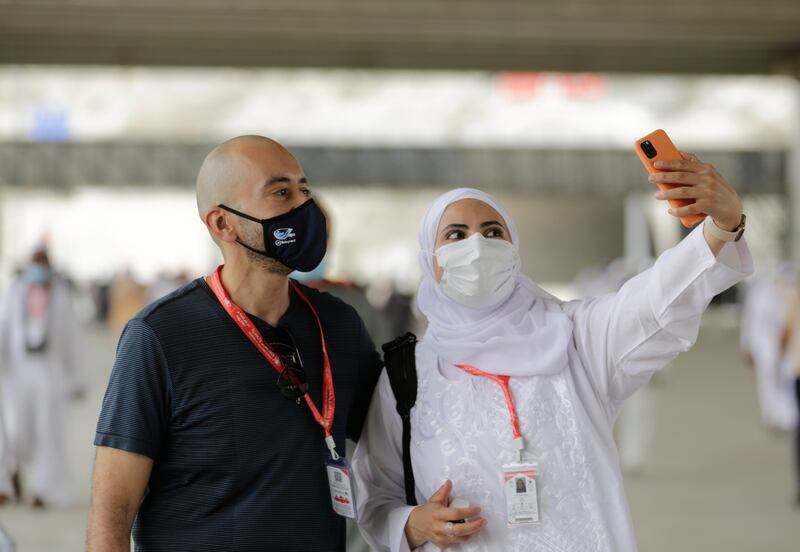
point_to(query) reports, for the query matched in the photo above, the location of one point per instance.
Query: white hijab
(525, 335)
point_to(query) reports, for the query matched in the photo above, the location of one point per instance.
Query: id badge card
(521, 493)
(340, 482)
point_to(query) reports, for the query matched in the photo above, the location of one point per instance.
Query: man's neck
(256, 291)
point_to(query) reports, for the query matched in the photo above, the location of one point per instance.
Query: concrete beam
(609, 173)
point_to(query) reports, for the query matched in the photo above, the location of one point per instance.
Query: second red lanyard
(502, 381)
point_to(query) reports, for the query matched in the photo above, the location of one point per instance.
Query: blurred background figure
(166, 284)
(127, 297)
(41, 351)
(767, 307)
(6, 490)
(790, 346)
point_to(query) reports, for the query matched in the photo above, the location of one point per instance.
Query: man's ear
(220, 226)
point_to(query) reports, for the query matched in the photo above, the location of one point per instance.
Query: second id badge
(521, 493)
(340, 482)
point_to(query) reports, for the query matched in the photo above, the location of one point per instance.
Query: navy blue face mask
(298, 239)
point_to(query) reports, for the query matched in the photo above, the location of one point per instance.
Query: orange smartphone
(657, 146)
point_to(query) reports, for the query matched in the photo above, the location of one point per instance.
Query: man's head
(253, 175)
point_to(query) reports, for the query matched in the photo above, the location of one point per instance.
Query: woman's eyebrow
(458, 226)
(491, 223)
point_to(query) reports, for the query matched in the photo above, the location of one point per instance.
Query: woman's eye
(455, 235)
(494, 233)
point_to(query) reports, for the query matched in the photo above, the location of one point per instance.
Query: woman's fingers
(468, 529)
(683, 192)
(686, 165)
(453, 533)
(442, 493)
(677, 177)
(693, 209)
(457, 514)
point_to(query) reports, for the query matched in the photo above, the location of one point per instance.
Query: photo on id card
(521, 493)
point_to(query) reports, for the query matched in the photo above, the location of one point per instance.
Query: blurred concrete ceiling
(649, 36)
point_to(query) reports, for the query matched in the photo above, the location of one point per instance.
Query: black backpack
(401, 366)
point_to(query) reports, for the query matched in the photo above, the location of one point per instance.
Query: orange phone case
(665, 151)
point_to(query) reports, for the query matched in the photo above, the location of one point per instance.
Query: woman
(571, 365)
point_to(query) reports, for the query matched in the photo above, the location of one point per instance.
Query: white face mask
(478, 272)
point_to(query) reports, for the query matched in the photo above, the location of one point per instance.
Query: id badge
(522, 495)
(340, 481)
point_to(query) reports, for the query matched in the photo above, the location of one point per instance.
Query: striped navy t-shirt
(236, 465)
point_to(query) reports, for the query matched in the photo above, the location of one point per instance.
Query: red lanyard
(502, 381)
(246, 325)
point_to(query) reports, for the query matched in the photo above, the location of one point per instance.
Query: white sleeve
(378, 469)
(623, 337)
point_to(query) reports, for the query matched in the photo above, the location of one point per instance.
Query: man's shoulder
(327, 302)
(179, 307)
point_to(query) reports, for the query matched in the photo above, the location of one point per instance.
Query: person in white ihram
(767, 304)
(6, 491)
(42, 369)
(497, 344)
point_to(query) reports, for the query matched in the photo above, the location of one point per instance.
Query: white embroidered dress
(461, 428)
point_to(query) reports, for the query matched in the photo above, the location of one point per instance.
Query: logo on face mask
(284, 236)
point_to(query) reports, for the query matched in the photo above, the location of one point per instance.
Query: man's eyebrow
(491, 223)
(279, 180)
(283, 179)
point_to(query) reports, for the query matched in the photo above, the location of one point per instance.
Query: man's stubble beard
(273, 266)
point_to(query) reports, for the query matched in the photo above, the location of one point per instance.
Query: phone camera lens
(648, 149)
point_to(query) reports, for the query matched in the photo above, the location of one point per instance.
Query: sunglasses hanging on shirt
(292, 381)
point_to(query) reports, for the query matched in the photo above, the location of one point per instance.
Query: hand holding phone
(657, 146)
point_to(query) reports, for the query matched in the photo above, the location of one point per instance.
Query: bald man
(230, 399)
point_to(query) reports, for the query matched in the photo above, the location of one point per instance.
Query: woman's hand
(433, 521)
(701, 182)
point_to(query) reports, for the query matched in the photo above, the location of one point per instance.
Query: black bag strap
(401, 366)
